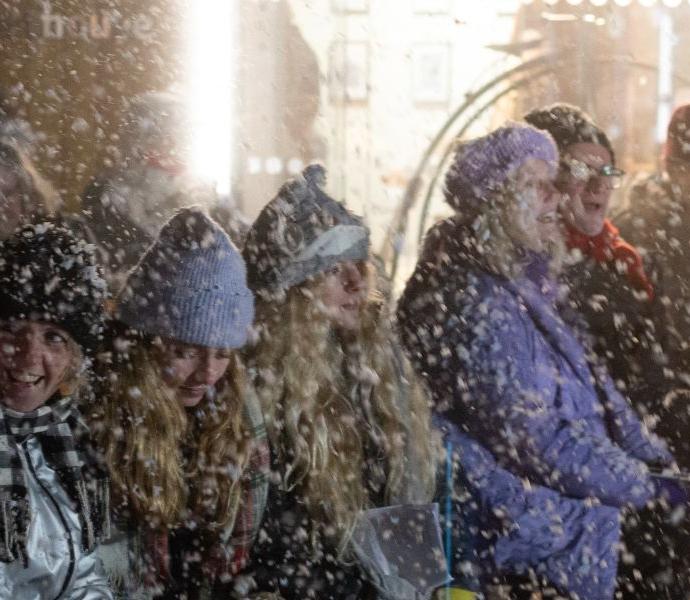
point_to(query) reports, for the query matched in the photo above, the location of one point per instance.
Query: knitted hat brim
(206, 318)
(72, 323)
(298, 272)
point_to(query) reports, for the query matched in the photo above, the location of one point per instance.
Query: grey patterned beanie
(190, 285)
(302, 232)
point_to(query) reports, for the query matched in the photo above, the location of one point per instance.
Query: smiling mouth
(194, 390)
(23, 378)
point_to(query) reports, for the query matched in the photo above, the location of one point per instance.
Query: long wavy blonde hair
(306, 376)
(165, 461)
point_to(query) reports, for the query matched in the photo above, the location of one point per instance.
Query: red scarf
(608, 247)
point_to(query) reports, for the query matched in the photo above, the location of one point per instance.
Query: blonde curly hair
(166, 462)
(306, 375)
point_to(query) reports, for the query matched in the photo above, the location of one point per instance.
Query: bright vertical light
(211, 34)
(665, 75)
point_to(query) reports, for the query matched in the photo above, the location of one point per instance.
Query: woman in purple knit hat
(510, 377)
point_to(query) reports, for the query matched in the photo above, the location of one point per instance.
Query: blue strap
(448, 510)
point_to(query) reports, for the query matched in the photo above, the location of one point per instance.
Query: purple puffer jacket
(571, 543)
(505, 368)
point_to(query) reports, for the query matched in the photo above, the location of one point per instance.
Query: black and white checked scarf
(64, 439)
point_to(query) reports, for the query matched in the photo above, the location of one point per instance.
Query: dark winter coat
(504, 367)
(294, 560)
(609, 291)
(657, 221)
(287, 561)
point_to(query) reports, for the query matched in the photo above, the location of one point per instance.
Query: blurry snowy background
(365, 86)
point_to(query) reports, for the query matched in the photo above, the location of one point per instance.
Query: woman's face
(587, 191)
(35, 359)
(535, 184)
(192, 371)
(343, 292)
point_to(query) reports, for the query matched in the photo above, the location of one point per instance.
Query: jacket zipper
(70, 541)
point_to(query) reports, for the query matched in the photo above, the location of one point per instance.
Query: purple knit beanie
(483, 165)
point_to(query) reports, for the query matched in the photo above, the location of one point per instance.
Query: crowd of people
(194, 409)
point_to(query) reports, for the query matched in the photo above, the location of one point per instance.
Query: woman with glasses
(608, 288)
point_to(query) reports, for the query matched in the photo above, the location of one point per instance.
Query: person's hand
(670, 490)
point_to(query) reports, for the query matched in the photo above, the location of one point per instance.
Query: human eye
(225, 353)
(181, 351)
(55, 337)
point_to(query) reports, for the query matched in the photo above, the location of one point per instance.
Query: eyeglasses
(584, 173)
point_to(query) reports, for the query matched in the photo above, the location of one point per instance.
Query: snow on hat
(302, 232)
(483, 165)
(49, 274)
(569, 125)
(678, 135)
(190, 285)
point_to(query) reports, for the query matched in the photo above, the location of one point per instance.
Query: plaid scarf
(228, 551)
(64, 439)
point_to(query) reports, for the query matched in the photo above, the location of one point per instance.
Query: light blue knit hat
(190, 285)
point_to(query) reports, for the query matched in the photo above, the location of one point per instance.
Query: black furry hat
(569, 125)
(48, 274)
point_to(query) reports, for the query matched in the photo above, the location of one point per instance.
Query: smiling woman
(191, 370)
(608, 287)
(35, 360)
(184, 437)
(479, 317)
(53, 489)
